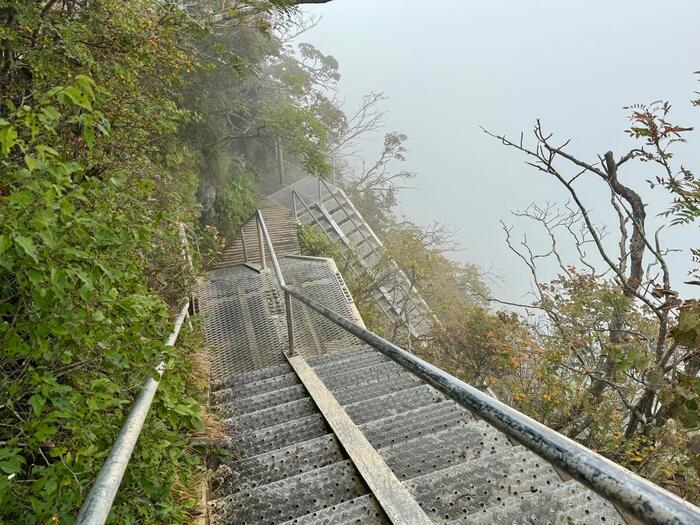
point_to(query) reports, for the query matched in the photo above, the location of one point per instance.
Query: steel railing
(644, 500)
(98, 503)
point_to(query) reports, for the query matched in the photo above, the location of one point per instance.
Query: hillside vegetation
(119, 120)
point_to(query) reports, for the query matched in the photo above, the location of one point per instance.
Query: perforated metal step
(570, 503)
(288, 461)
(376, 387)
(326, 365)
(260, 374)
(414, 423)
(291, 497)
(498, 479)
(392, 404)
(271, 416)
(439, 450)
(248, 443)
(362, 372)
(253, 388)
(247, 405)
(364, 510)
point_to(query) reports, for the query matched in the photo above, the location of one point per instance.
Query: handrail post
(290, 326)
(294, 206)
(245, 250)
(320, 201)
(264, 234)
(261, 243)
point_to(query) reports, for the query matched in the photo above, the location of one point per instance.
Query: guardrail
(98, 503)
(644, 500)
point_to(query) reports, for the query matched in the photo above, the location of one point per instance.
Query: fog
(449, 67)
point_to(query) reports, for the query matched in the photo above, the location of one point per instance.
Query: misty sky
(448, 67)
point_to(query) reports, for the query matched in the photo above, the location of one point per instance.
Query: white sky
(450, 66)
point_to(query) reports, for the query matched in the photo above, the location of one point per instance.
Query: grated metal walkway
(288, 466)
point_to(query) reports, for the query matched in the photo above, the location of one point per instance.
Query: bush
(80, 328)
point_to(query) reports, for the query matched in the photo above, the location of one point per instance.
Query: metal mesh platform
(244, 314)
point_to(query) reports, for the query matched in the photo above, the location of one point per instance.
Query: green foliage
(687, 330)
(234, 204)
(80, 329)
(114, 116)
(314, 243)
(93, 183)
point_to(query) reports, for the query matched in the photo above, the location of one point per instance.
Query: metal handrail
(262, 229)
(96, 507)
(643, 499)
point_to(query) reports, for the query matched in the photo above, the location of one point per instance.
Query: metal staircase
(330, 423)
(291, 461)
(246, 246)
(315, 202)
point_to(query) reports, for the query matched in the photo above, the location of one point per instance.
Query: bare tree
(638, 284)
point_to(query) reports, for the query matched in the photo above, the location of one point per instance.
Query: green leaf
(8, 138)
(10, 460)
(21, 197)
(27, 246)
(46, 151)
(48, 116)
(5, 243)
(71, 95)
(86, 84)
(37, 402)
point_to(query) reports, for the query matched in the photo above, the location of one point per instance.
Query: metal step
(281, 435)
(392, 404)
(247, 405)
(567, 504)
(271, 416)
(291, 497)
(414, 423)
(443, 449)
(365, 510)
(251, 389)
(252, 377)
(329, 370)
(376, 387)
(319, 362)
(362, 373)
(498, 479)
(287, 462)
